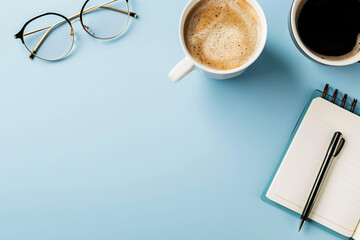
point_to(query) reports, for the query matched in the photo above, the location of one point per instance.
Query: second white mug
(295, 11)
(188, 64)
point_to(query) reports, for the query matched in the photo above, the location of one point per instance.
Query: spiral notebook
(338, 205)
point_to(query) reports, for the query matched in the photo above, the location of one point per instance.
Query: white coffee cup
(294, 16)
(188, 64)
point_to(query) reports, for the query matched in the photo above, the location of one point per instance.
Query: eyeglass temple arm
(132, 14)
(32, 55)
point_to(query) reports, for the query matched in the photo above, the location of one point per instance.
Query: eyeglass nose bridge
(72, 29)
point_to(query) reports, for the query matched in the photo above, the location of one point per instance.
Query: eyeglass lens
(49, 37)
(105, 19)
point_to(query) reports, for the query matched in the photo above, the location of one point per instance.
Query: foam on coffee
(222, 34)
(354, 52)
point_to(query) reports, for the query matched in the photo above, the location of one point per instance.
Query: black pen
(336, 145)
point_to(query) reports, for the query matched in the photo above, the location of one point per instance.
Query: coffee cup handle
(182, 69)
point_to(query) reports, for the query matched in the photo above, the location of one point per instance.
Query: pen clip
(340, 147)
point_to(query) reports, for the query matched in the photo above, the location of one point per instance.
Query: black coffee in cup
(331, 27)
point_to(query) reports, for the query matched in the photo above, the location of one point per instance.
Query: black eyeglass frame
(21, 34)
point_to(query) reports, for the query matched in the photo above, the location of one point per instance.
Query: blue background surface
(103, 145)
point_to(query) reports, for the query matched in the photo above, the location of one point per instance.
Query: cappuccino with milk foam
(222, 34)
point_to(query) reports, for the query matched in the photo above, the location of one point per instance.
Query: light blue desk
(104, 146)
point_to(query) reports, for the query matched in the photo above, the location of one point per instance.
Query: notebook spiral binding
(352, 109)
(334, 97)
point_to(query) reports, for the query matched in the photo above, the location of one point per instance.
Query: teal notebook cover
(316, 94)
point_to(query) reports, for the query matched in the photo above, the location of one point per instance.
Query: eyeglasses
(50, 36)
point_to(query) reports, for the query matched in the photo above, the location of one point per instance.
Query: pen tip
(301, 225)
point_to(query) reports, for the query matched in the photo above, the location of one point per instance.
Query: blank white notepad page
(338, 205)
